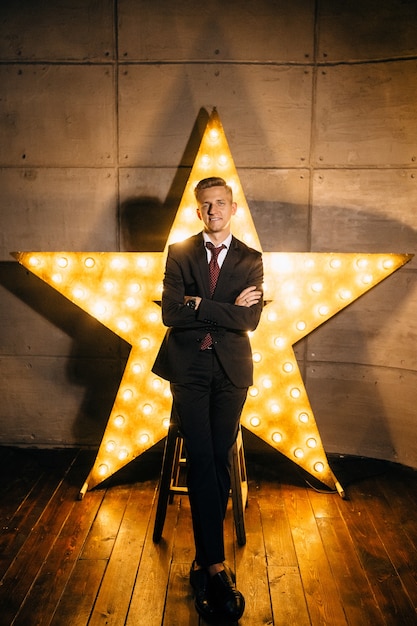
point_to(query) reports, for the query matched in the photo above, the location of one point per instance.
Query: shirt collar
(226, 242)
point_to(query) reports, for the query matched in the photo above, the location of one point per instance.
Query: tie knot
(214, 251)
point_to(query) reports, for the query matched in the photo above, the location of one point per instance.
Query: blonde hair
(213, 181)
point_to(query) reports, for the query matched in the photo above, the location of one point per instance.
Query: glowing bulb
(122, 325)
(100, 308)
(57, 278)
(323, 310)
(103, 469)
(256, 357)
(154, 317)
(303, 418)
(34, 261)
(387, 264)
(78, 292)
(255, 421)
(253, 392)
(301, 325)
(205, 160)
(131, 301)
(144, 438)
(272, 316)
(223, 160)
(279, 342)
(165, 422)
(135, 287)
(362, 263)
(367, 279)
(62, 262)
(312, 443)
(127, 394)
(117, 263)
(345, 294)
(335, 264)
(319, 467)
(295, 393)
(275, 408)
(110, 446)
(147, 409)
(157, 384)
(119, 421)
(298, 453)
(89, 262)
(276, 437)
(288, 367)
(214, 134)
(136, 368)
(109, 285)
(294, 303)
(122, 454)
(267, 383)
(144, 343)
(142, 262)
(317, 287)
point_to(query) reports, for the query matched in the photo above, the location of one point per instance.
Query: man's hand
(197, 300)
(248, 297)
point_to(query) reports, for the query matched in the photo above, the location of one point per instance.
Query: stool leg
(239, 489)
(165, 481)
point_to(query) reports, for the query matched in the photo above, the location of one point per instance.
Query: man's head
(215, 206)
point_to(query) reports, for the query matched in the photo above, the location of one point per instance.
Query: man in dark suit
(212, 297)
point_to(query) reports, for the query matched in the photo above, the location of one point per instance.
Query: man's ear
(234, 208)
(199, 213)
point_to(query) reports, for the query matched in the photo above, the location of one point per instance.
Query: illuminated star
(303, 290)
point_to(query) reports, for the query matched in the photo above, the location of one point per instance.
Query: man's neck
(217, 238)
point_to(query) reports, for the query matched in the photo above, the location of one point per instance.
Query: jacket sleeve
(174, 312)
(229, 315)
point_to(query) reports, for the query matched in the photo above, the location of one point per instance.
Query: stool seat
(169, 483)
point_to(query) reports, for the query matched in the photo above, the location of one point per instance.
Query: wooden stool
(169, 483)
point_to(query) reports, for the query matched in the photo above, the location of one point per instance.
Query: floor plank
(310, 559)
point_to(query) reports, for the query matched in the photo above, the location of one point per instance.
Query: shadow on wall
(145, 222)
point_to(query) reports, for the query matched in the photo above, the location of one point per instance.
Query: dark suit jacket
(186, 273)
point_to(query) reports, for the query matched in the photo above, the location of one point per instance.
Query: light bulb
(119, 420)
(103, 469)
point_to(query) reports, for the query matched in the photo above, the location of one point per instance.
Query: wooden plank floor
(310, 558)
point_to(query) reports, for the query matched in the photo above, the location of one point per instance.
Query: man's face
(215, 209)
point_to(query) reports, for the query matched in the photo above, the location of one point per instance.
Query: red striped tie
(214, 271)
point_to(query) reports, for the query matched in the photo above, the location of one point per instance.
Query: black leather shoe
(199, 581)
(226, 599)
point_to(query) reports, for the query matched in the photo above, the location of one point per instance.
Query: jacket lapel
(200, 260)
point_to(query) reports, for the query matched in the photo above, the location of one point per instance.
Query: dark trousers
(208, 409)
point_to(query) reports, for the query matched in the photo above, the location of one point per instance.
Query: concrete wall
(102, 106)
